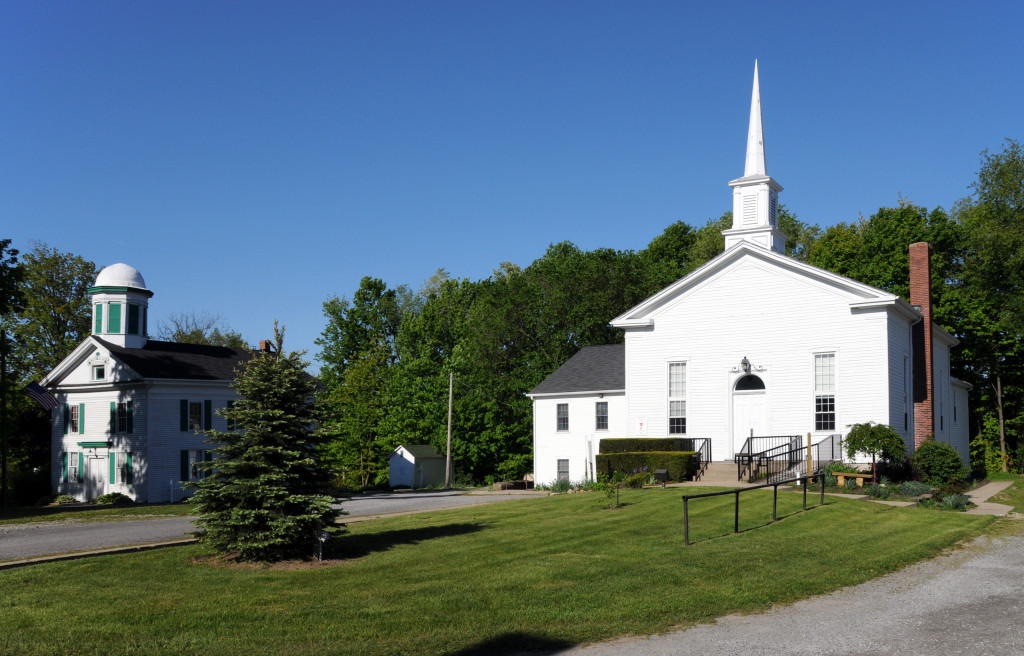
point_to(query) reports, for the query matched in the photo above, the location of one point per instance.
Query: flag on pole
(38, 393)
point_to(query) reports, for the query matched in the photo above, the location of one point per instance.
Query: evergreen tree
(259, 499)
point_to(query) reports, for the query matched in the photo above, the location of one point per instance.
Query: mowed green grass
(542, 573)
(92, 513)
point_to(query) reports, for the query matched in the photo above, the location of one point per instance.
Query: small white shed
(416, 465)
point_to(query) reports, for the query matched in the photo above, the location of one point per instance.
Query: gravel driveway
(969, 601)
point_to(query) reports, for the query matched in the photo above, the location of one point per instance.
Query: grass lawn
(24, 515)
(1013, 495)
(541, 573)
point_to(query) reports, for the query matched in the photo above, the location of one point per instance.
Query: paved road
(967, 602)
(18, 541)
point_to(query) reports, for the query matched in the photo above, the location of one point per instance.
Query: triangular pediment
(80, 366)
(744, 254)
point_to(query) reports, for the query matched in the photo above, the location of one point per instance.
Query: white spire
(755, 134)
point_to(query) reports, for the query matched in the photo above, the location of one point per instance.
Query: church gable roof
(860, 296)
(592, 369)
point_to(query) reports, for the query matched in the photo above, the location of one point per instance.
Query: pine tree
(259, 499)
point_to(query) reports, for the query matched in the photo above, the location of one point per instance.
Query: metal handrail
(703, 450)
(737, 491)
(744, 459)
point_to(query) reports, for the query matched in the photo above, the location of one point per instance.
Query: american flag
(38, 393)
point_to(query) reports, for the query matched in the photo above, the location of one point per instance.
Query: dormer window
(99, 372)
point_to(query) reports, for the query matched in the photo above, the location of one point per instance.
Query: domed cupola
(120, 304)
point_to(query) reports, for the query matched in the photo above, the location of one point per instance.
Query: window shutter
(184, 466)
(67, 419)
(81, 419)
(99, 319)
(128, 462)
(131, 418)
(114, 318)
(81, 466)
(207, 414)
(112, 457)
(64, 467)
(183, 414)
(113, 417)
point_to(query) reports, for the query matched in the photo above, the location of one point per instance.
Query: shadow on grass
(508, 644)
(754, 527)
(357, 546)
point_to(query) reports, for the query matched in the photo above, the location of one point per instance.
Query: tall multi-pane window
(677, 398)
(73, 419)
(563, 417)
(601, 415)
(563, 469)
(824, 391)
(195, 415)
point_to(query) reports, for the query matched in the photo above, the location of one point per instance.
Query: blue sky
(252, 159)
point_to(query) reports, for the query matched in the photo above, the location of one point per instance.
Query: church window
(677, 398)
(121, 467)
(99, 372)
(601, 415)
(563, 469)
(824, 391)
(122, 417)
(195, 415)
(73, 461)
(562, 420)
(133, 319)
(74, 418)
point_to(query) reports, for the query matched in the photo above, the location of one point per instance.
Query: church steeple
(755, 196)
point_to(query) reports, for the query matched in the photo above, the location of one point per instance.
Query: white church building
(755, 343)
(130, 408)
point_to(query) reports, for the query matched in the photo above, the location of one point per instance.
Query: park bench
(857, 476)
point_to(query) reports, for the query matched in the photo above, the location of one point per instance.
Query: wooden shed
(415, 465)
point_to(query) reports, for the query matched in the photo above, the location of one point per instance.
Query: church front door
(749, 416)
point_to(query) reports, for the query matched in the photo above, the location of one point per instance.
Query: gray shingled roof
(593, 369)
(181, 361)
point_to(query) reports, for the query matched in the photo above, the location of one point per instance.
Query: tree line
(387, 352)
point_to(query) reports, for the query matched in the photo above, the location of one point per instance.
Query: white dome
(120, 275)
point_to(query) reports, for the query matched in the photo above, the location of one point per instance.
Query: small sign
(641, 426)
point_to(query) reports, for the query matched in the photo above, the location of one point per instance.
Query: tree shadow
(358, 546)
(511, 644)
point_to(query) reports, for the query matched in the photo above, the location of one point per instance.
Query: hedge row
(679, 464)
(644, 444)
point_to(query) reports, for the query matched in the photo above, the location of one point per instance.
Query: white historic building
(755, 343)
(129, 407)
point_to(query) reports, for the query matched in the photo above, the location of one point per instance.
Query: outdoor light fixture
(745, 365)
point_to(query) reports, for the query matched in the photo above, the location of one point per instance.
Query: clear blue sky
(252, 159)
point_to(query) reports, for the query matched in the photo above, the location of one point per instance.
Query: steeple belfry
(755, 196)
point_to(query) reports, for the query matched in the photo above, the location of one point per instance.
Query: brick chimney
(921, 295)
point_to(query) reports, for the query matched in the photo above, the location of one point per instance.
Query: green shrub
(957, 502)
(939, 463)
(678, 463)
(914, 488)
(850, 484)
(561, 485)
(878, 491)
(514, 467)
(837, 466)
(645, 444)
(65, 499)
(113, 497)
(636, 480)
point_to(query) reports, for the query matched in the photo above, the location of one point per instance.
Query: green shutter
(112, 457)
(64, 467)
(113, 417)
(183, 414)
(128, 461)
(99, 319)
(207, 414)
(133, 319)
(81, 419)
(67, 418)
(184, 466)
(131, 418)
(81, 466)
(114, 319)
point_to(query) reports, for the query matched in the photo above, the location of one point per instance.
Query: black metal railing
(755, 445)
(736, 518)
(782, 462)
(702, 447)
(828, 450)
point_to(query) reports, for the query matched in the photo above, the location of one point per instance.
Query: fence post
(736, 522)
(822, 477)
(686, 521)
(810, 461)
(775, 501)
(807, 482)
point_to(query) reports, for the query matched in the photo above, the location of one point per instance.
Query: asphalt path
(31, 540)
(968, 601)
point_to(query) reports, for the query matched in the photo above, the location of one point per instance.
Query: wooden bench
(857, 476)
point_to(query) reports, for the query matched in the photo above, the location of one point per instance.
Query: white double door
(749, 416)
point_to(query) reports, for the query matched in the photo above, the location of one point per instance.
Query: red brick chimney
(921, 295)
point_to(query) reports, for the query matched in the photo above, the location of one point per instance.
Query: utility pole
(448, 456)
(3, 419)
